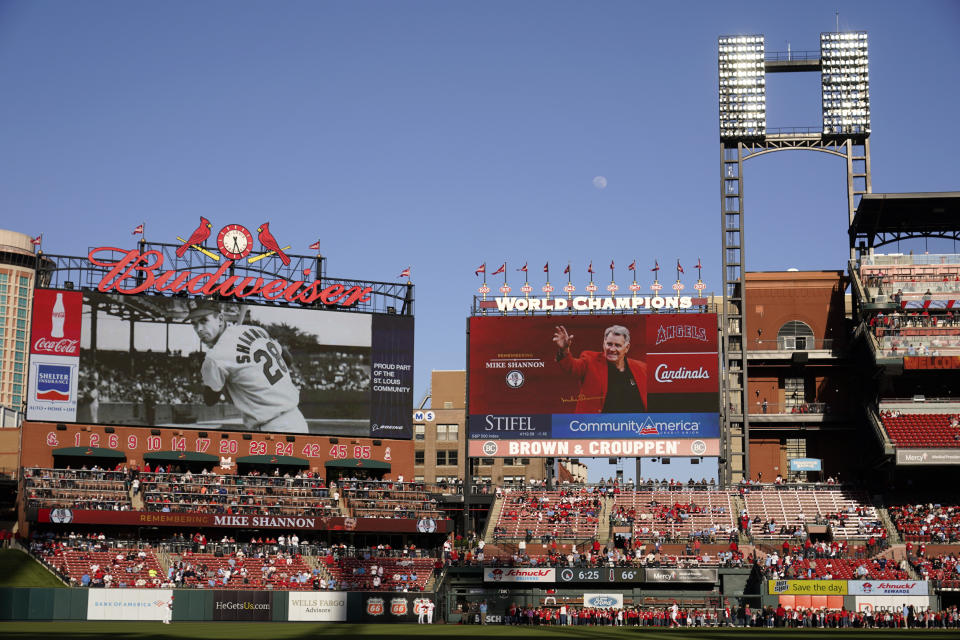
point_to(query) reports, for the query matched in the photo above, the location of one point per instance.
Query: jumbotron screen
(105, 358)
(594, 385)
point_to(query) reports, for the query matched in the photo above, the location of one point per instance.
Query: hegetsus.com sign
(243, 605)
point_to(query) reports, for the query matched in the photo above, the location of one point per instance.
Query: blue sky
(444, 134)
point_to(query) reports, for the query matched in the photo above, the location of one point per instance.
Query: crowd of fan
(932, 522)
(570, 504)
(907, 617)
(389, 499)
(255, 493)
(94, 488)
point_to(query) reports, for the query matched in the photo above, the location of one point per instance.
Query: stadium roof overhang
(90, 452)
(181, 456)
(356, 463)
(884, 218)
(279, 461)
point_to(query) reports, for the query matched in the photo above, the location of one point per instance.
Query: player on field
(248, 366)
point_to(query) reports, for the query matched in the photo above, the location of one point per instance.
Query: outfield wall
(210, 605)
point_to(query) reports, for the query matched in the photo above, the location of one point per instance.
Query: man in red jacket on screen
(610, 382)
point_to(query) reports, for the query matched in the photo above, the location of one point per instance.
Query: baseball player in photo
(247, 365)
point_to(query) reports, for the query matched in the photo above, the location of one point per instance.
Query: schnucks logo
(867, 587)
(375, 606)
(53, 382)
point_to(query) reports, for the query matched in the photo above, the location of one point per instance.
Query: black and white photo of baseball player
(248, 367)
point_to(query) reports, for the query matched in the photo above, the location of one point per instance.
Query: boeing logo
(664, 374)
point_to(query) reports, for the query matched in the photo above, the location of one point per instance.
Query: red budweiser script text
(138, 272)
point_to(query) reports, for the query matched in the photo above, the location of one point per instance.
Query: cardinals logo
(234, 242)
(270, 245)
(196, 240)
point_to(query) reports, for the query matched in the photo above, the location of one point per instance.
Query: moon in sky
(600, 182)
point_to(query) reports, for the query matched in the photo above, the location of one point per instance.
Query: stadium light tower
(844, 131)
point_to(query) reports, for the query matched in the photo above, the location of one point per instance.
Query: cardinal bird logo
(197, 238)
(269, 243)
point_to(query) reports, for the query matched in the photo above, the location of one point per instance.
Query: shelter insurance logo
(53, 382)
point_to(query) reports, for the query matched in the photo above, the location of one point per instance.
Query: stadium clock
(235, 241)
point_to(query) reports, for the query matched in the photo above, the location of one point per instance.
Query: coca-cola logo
(68, 346)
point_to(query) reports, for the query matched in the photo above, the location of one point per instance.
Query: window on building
(441, 458)
(794, 393)
(418, 478)
(452, 431)
(21, 335)
(486, 462)
(24, 281)
(21, 313)
(418, 432)
(21, 324)
(23, 293)
(508, 462)
(441, 432)
(418, 457)
(20, 346)
(452, 457)
(795, 335)
(18, 366)
(18, 377)
(525, 461)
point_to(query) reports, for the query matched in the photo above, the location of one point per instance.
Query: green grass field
(299, 630)
(17, 569)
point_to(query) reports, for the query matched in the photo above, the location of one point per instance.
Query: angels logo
(681, 331)
(398, 606)
(375, 606)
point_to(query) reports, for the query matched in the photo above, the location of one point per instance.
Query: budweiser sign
(137, 272)
(63, 346)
